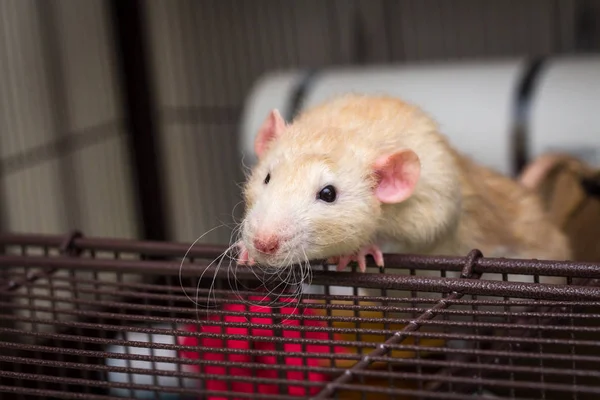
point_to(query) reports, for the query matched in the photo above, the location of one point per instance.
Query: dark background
(120, 118)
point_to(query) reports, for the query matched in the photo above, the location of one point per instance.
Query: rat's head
(319, 200)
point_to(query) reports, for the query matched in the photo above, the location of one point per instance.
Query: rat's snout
(268, 235)
(267, 244)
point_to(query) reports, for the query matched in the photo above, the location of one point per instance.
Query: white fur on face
(288, 206)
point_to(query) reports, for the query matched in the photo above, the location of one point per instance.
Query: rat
(360, 173)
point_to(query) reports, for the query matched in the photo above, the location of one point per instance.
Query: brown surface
(557, 178)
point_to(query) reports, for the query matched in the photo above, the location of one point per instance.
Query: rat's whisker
(220, 257)
(304, 266)
(282, 282)
(186, 255)
(235, 222)
(271, 292)
(246, 170)
(237, 290)
(307, 268)
(290, 269)
(269, 275)
(238, 223)
(238, 283)
(211, 288)
(235, 286)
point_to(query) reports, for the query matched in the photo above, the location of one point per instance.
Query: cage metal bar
(501, 347)
(178, 360)
(92, 340)
(290, 368)
(521, 110)
(488, 382)
(134, 73)
(334, 278)
(83, 396)
(58, 394)
(407, 261)
(389, 308)
(515, 325)
(462, 396)
(66, 248)
(154, 388)
(422, 320)
(184, 310)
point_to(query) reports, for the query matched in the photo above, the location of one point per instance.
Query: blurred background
(123, 118)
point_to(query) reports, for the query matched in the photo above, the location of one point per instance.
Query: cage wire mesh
(427, 327)
(99, 319)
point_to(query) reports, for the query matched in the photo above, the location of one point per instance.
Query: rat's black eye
(268, 178)
(327, 194)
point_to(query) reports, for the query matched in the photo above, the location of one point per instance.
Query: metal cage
(91, 318)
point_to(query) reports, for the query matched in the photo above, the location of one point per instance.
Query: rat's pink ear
(397, 175)
(273, 126)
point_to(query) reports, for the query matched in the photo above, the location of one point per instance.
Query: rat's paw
(244, 258)
(361, 258)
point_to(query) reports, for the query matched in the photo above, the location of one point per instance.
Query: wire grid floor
(87, 318)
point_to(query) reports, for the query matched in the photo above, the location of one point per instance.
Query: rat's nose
(266, 244)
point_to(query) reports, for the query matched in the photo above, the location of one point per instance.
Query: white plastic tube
(565, 111)
(472, 102)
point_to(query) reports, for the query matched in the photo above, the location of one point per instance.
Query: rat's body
(397, 183)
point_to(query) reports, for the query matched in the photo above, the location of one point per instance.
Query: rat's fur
(456, 206)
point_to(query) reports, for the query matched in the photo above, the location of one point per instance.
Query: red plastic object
(244, 343)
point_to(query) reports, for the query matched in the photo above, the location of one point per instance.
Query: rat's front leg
(361, 258)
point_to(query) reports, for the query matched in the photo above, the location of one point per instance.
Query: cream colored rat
(359, 172)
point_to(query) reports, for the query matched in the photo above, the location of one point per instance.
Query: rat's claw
(372, 250)
(360, 258)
